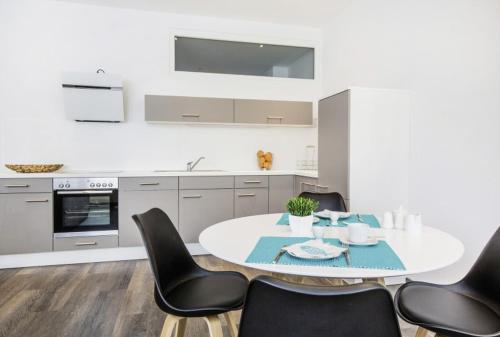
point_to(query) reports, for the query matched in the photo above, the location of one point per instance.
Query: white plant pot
(301, 225)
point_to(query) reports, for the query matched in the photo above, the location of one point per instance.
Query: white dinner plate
(326, 214)
(370, 242)
(314, 250)
(315, 219)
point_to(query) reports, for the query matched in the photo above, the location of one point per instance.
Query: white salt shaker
(388, 222)
(399, 218)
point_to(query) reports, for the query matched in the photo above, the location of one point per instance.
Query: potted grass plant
(301, 214)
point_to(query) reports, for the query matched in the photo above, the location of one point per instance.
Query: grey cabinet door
(188, 109)
(90, 242)
(251, 201)
(26, 224)
(272, 112)
(199, 209)
(333, 143)
(134, 202)
(305, 184)
(25, 185)
(281, 189)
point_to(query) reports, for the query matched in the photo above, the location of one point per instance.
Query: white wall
(448, 52)
(41, 38)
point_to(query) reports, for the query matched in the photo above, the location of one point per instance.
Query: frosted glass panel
(243, 58)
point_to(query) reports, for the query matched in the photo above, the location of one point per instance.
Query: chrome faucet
(191, 165)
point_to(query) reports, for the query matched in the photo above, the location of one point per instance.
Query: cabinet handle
(252, 182)
(307, 184)
(190, 115)
(90, 243)
(321, 186)
(275, 117)
(41, 200)
(192, 196)
(17, 186)
(149, 184)
(246, 195)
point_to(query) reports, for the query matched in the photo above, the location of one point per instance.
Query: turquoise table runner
(380, 256)
(369, 219)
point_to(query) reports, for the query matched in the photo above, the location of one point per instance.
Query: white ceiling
(313, 13)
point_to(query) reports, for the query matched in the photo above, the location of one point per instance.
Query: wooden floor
(112, 299)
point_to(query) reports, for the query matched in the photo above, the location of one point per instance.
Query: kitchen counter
(153, 173)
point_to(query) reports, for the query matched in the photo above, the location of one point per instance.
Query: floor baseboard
(82, 256)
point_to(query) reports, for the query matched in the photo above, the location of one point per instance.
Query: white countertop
(154, 173)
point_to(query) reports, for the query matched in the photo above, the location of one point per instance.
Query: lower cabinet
(281, 189)
(251, 201)
(199, 209)
(25, 223)
(90, 242)
(140, 195)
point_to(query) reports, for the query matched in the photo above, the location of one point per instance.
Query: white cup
(334, 217)
(388, 221)
(358, 232)
(318, 232)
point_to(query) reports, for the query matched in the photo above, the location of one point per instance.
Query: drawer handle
(252, 182)
(41, 200)
(149, 184)
(275, 117)
(321, 186)
(17, 186)
(90, 243)
(246, 195)
(192, 196)
(190, 115)
(307, 184)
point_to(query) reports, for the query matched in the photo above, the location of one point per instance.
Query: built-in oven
(85, 206)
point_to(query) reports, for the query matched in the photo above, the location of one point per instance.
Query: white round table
(233, 240)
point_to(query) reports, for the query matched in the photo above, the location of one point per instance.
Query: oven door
(85, 211)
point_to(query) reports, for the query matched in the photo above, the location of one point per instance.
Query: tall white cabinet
(364, 147)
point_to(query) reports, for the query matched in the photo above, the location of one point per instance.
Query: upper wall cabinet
(224, 110)
(188, 109)
(272, 112)
(243, 58)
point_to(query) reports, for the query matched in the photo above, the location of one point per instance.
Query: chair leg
(214, 326)
(421, 332)
(180, 327)
(231, 324)
(170, 325)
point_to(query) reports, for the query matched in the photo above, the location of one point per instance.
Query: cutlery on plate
(347, 254)
(280, 254)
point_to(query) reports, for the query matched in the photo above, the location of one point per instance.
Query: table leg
(379, 280)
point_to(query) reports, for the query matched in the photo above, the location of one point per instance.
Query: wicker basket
(34, 168)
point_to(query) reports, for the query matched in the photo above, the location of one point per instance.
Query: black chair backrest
(332, 201)
(169, 258)
(484, 276)
(275, 308)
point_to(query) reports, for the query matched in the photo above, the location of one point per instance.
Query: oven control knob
(98, 185)
(110, 184)
(61, 185)
(104, 185)
(92, 185)
(67, 185)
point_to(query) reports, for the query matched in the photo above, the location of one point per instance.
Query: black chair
(275, 308)
(182, 288)
(468, 308)
(332, 201)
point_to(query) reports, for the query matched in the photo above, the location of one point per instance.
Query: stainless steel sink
(183, 171)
